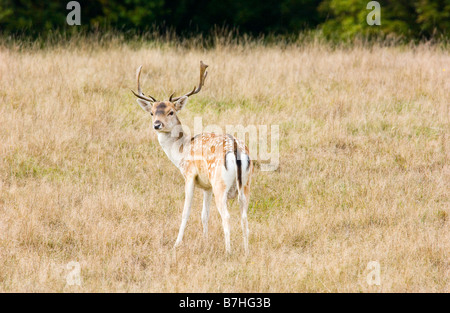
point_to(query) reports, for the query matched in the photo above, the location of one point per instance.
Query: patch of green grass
(425, 131)
(203, 105)
(261, 208)
(23, 167)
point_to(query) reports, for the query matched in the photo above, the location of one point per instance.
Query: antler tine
(140, 94)
(203, 74)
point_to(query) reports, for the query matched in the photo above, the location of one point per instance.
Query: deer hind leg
(207, 197)
(244, 195)
(220, 196)
(189, 193)
(224, 181)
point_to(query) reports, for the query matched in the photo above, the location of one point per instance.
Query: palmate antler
(140, 94)
(203, 74)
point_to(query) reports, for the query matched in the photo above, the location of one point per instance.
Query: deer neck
(174, 145)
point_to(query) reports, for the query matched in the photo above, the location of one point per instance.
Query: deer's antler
(140, 94)
(203, 74)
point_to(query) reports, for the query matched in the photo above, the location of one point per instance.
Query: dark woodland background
(333, 19)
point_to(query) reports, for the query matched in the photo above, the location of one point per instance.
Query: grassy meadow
(364, 169)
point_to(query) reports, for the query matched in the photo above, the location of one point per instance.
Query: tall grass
(364, 173)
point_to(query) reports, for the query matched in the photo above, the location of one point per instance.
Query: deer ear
(180, 103)
(145, 105)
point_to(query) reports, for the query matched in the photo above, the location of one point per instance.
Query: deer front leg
(207, 196)
(189, 194)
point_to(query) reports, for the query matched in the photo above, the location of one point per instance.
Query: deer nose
(158, 125)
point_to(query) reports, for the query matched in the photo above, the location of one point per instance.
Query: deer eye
(171, 113)
(151, 113)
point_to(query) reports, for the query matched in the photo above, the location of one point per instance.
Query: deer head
(164, 113)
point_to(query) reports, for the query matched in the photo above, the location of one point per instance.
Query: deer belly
(202, 181)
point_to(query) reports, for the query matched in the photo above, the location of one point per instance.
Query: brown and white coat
(219, 164)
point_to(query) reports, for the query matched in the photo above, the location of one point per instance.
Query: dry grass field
(364, 169)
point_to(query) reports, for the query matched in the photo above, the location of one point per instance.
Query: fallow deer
(218, 164)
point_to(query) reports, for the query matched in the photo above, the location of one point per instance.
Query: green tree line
(340, 19)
